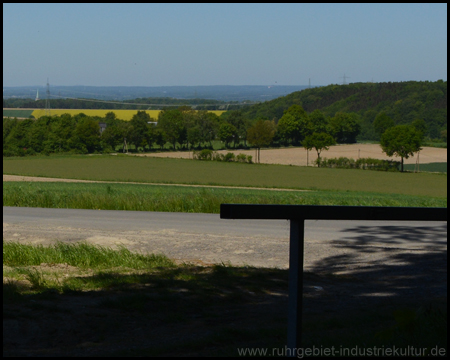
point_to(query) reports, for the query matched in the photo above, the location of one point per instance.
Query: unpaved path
(46, 179)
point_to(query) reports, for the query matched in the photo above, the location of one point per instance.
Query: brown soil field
(301, 157)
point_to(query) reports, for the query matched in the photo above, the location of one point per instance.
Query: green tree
(160, 137)
(111, 118)
(189, 121)
(139, 133)
(18, 136)
(317, 122)
(208, 124)
(367, 130)
(345, 127)
(60, 135)
(401, 140)
(288, 129)
(171, 122)
(194, 135)
(8, 125)
(381, 123)
(86, 136)
(444, 135)
(294, 125)
(319, 141)
(125, 129)
(38, 133)
(226, 133)
(421, 126)
(261, 134)
(241, 123)
(112, 137)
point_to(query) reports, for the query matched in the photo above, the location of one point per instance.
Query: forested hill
(404, 102)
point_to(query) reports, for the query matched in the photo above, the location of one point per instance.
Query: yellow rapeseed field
(120, 114)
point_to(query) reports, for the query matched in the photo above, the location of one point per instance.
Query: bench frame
(297, 214)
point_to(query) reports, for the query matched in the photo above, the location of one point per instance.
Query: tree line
(182, 128)
(403, 102)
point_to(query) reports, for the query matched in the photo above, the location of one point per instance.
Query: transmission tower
(344, 77)
(47, 100)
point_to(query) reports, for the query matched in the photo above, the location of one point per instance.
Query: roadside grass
(183, 171)
(107, 196)
(82, 255)
(148, 308)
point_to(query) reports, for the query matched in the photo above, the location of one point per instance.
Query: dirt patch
(301, 157)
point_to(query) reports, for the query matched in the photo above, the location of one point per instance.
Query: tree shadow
(206, 311)
(387, 262)
(175, 312)
(427, 237)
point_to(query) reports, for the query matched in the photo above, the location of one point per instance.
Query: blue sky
(222, 44)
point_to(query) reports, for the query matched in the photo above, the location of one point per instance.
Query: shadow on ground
(207, 311)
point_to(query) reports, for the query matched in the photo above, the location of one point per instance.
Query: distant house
(102, 127)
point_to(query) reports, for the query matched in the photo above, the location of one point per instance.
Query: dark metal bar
(321, 212)
(296, 249)
(298, 214)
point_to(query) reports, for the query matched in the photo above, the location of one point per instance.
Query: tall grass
(186, 199)
(81, 255)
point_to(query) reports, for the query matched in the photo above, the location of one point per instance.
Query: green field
(431, 167)
(179, 171)
(187, 199)
(17, 113)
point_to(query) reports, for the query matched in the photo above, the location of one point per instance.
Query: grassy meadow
(107, 196)
(182, 171)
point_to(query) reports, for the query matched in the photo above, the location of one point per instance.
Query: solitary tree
(319, 141)
(401, 140)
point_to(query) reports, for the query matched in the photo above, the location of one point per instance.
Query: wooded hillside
(404, 102)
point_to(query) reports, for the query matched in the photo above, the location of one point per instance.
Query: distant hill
(255, 93)
(402, 101)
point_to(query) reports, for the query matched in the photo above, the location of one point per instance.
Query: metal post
(296, 247)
